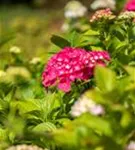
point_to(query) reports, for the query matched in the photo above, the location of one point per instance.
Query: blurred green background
(29, 25)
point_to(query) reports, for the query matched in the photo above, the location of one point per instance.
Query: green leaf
(131, 72)
(87, 41)
(126, 119)
(91, 32)
(123, 45)
(50, 103)
(131, 33)
(3, 134)
(46, 126)
(119, 33)
(60, 41)
(27, 106)
(75, 39)
(66, 138)
(96, 95)
(96, 123)
(105, 79)
(112, 43)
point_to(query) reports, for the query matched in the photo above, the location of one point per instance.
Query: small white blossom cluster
(74, 9)
(127, 15)
(84, 105)
(25, 147)
(18, 71)
(131, 146)
(15, 50)
(35, 60)
(98, 4)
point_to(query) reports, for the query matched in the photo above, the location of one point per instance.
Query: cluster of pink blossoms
(71, 64)
(130, 6)
(103, 13)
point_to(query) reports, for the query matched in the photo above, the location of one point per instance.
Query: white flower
(15, 50)
(83, 105)
(97, 4)
(35, 60)
(131, 146)
(127, 15)
(75, 9)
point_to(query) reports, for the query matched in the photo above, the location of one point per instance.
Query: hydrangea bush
(82, 98)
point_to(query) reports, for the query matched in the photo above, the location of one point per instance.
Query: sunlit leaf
(105, 79)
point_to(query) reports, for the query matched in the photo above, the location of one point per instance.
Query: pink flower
(130, 6)
(102, 14)
(71, 64)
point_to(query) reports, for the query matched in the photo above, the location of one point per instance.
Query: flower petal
(65, 86)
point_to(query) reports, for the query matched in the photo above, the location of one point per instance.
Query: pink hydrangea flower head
(130, 5)
(71, 64)
(102, 14)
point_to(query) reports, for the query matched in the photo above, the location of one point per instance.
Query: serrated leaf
(27, 106)
(49, 104)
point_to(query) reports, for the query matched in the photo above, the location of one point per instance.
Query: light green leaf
(96, 123)
(3, 134)
(46, 126)
(50, 102)
(105, 79)
(91, 32)
(27, 106)
(96, 96)
(131, 72)
(75, 39)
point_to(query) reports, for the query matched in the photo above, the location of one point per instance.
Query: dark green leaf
(60, 41)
